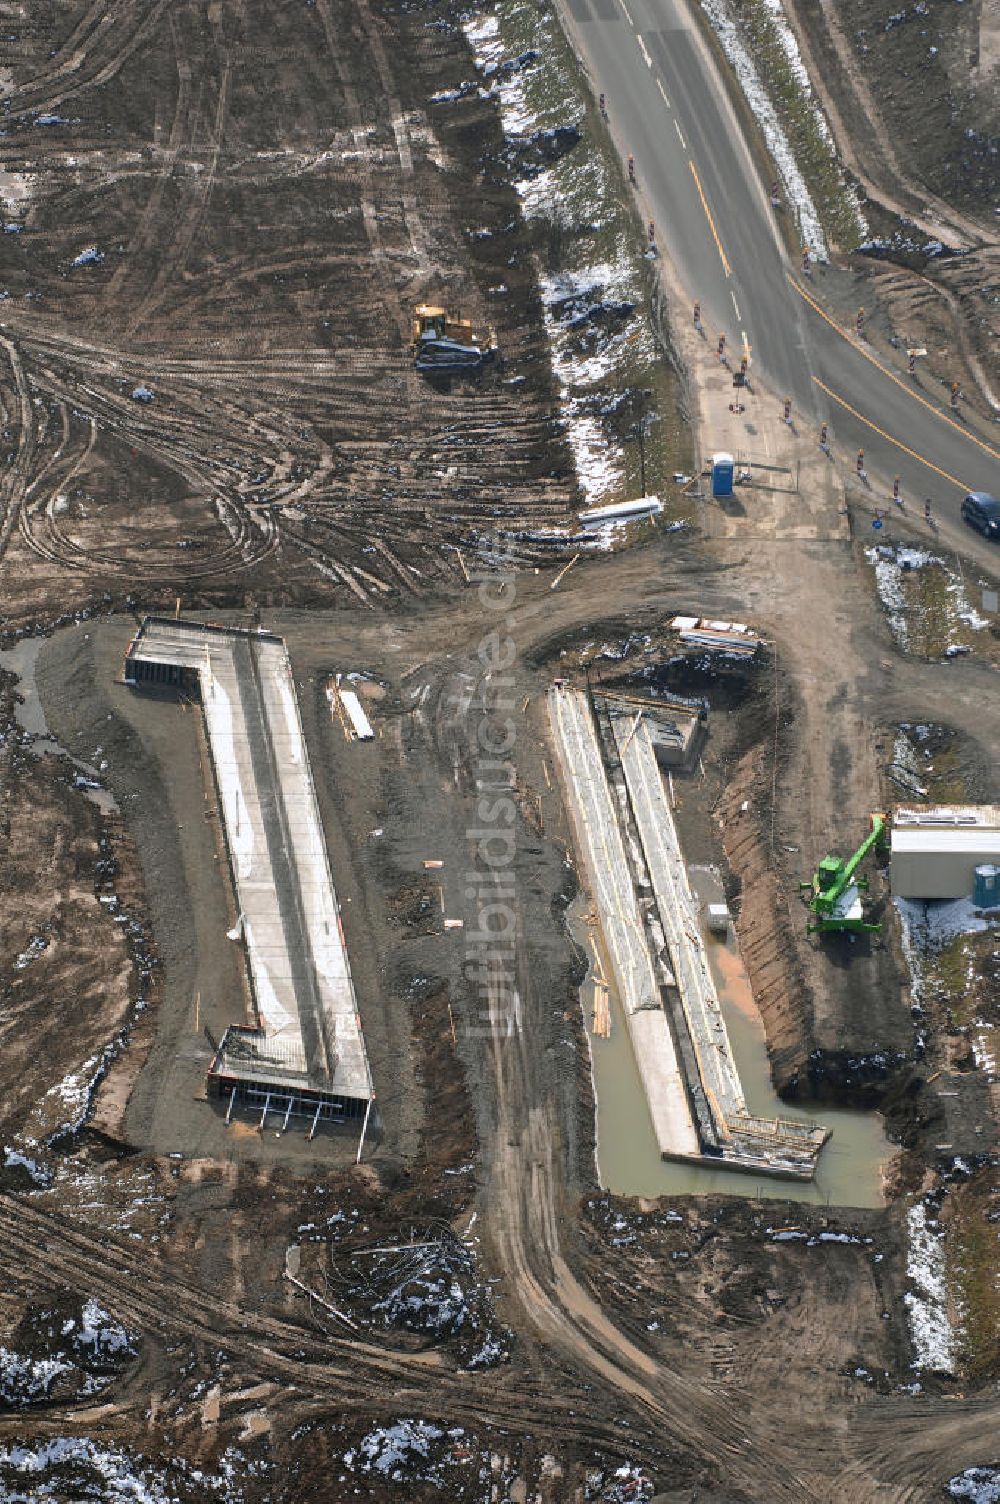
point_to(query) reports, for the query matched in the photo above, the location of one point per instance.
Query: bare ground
(911, 96)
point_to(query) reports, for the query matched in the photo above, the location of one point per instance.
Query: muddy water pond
(850, 1166)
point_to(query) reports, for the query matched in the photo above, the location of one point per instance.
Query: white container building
(936, 850)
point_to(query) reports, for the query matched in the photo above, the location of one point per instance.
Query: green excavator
(834, 894)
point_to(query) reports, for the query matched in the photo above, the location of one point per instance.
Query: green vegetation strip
(973, 1254)
(797, 109)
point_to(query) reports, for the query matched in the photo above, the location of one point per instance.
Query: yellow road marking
(958, 427)
(882, 434)
(711, 222)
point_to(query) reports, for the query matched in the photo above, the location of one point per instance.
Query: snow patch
(14, 1159)
(24, 1380)
(76, 1467)
(980, 1484)
(926, 927)
(927, 1303)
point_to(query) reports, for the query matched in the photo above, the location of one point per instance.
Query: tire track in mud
(185, 232)
(364, 1378)
(14, 480)
(181, 132)
(105, 18)
(251, 433)
(253, 536)
(911, 1451)
(359, 128)
(411, 213)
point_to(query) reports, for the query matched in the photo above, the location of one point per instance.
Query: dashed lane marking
(958, 427)
(888, 436)
(642, 49)
(680, 134)
(708, 215)
(627, 16)
(736, 306)
(663, 93)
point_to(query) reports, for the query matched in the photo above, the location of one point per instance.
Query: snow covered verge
(410, 1451)
(593, 284)
(927, 1298)
(760, 44)
(925, 601)
(980, 1485)
(76, 1353)
(926, 930)
(77, 1468)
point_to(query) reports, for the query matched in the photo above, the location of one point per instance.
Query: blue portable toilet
(723, 466)
(986, 886)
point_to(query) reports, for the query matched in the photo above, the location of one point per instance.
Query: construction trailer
(306, 1057)
(936, 850)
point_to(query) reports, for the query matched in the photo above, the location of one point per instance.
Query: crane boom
(835, 877)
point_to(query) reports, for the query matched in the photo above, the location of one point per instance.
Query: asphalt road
(697, 181)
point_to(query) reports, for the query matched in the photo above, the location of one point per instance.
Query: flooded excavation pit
(666, 957)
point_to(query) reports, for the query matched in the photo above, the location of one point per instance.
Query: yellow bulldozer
(441, 342)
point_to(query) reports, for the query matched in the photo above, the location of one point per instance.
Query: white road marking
(746, 342)
(642, 49)
(663, 93)
(736, 305)
(681, 134)
(627, 16)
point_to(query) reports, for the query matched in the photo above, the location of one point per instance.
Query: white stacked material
(610, 881)
(360, 722)
(722, 636)
(622, 511)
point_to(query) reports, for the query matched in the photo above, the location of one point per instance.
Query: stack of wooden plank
(718, 636)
